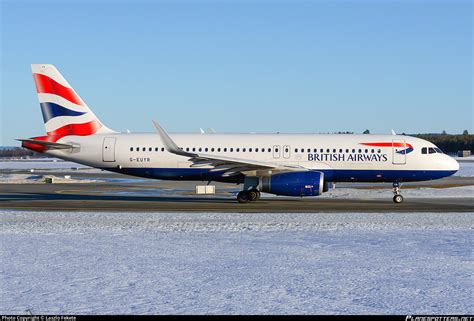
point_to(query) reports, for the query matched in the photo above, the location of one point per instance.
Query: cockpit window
(431, 150)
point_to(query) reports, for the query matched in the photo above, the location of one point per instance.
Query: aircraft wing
(231, 165)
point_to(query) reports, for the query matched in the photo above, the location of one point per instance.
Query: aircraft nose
(452, 164)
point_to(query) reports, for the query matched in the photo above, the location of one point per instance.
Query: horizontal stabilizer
(47, 145)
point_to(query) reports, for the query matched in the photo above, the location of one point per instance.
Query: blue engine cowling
(308, 183)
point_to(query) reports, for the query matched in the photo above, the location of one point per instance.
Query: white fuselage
(369, 158)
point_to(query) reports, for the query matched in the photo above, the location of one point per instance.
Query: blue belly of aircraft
(340, 175)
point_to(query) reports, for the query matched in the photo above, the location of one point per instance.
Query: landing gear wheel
(243, 197)
(254, 195)
(398, 199)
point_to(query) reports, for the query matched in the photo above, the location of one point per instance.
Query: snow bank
(17, 222)
(39, 164)
(38, 179)
(120, 263)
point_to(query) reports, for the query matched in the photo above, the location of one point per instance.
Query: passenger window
(372, 151)
(315, 150)
(219, 149)
(231, 149)
(250, 149)
(296, 150)
(308, 150)
(366, 151)
(244, 149)
(328, 150)
(225, 149)
(144, 149)
(269, 150)
(321, 150)
(150, 149)
(156, 149)
(276, 150)
(340, 150)
(286, 150)
(194, 149)
(237, 150)
(379, 151)
(424, 150)
(200, 149)
(162, 149)
(212, 149)
(131, 149)
(360, 151)
(431, 150)
(347, 151)
(138, 149)
(334, 150)
(353, 150)
(256, 150)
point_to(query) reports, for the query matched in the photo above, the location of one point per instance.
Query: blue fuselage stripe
(336, 175)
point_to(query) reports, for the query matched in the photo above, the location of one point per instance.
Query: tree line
(448, 143)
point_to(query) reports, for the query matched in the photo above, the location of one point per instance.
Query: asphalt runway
(162, 196)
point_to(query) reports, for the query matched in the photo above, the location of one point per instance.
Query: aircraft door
(286, 151)
(399, 156)
(276, 151)
(108, 149)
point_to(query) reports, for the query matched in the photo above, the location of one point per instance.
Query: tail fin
(64, 112)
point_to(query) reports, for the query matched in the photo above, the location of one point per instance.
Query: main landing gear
(251, 195)
(397, 198)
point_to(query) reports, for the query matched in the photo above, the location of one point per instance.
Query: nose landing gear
(397, 198)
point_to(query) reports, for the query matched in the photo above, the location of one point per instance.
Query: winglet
(393, 133)
(170, 145)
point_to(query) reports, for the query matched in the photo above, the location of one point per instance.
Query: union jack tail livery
(64, 112)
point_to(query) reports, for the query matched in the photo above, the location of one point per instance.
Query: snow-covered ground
(39, 179)
(39, 164)
(465, 169)
(403, 263)
(457, 192)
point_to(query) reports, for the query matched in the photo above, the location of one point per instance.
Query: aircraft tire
(254, 195)
(243, 197)
(398, 199)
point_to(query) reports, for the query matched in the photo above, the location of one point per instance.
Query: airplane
(281, 164)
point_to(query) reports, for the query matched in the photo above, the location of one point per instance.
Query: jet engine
(307, 183)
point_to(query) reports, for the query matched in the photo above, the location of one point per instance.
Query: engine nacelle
(308, 183)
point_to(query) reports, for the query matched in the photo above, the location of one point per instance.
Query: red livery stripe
(37, 147)
(46, 85)
(84, 129)
(389, 144)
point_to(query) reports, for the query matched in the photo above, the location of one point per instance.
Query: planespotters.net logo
(439, 318)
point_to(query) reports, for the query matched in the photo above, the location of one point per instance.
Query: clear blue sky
(245, 66)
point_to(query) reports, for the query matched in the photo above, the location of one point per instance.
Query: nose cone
(452, 165)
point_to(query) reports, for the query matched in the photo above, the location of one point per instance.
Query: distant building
(464, 153)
